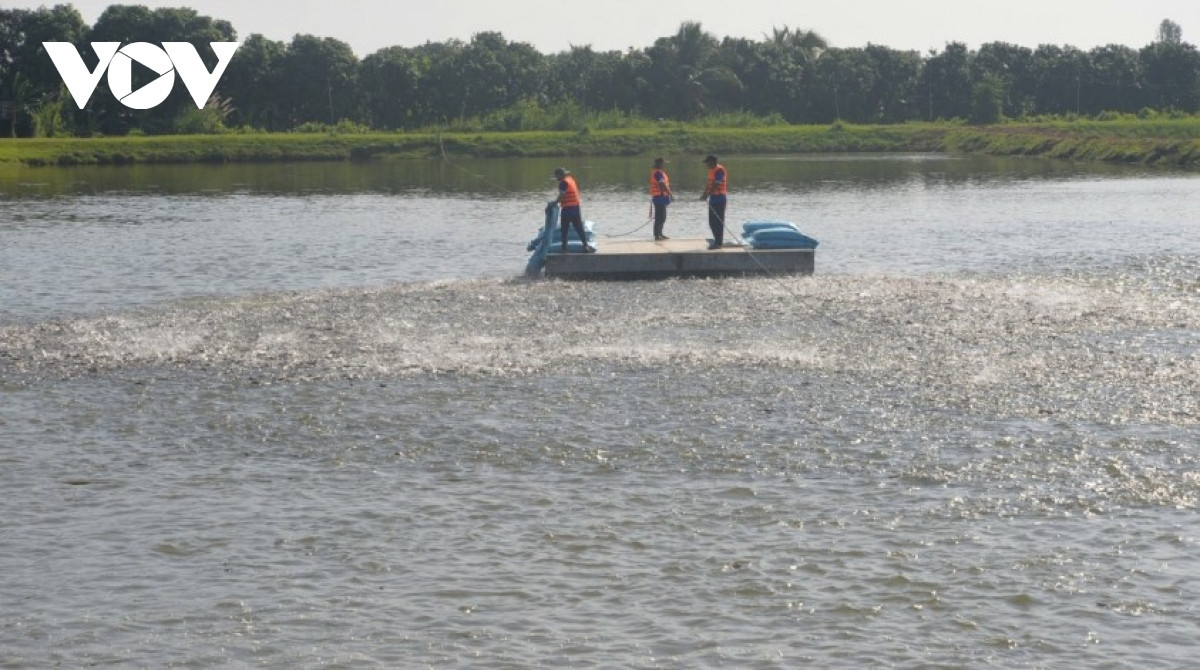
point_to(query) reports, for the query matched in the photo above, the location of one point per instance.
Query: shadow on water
(490, 177)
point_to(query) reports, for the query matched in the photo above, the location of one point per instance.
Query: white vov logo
(173, 57)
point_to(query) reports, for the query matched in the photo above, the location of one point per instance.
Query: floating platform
(690, 257)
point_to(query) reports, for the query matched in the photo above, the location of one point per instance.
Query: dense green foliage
(790, 76)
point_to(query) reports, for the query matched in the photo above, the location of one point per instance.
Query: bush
(342, 127)
(48, 119)
(192, 121)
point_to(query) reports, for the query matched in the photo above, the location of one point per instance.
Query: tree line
(790, 75)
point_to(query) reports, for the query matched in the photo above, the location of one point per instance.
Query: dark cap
(710, 159)
(561, 172)
(660, 161)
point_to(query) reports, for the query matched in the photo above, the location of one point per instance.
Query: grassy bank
(1173, 142)
(1166, 142)
(672, 139)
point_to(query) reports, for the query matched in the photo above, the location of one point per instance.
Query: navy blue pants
(716, 219)
(660, 217)
(572, 216)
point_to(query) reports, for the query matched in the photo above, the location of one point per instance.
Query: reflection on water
(510, 177)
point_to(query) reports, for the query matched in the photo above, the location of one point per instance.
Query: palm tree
(788, 57)
(806, 45)
(686, 71)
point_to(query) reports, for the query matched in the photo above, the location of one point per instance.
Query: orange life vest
(658, 188)
(570, 197)
(718, 187)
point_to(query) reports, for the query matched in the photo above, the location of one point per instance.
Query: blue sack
(751, 227)
(776, 235)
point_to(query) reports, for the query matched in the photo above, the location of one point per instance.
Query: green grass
(1126, 139)
(1170, 142)
(196, 148)
(659, 138)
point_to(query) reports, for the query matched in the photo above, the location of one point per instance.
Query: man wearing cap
(570, 215)
(715, 193)
(660, 196)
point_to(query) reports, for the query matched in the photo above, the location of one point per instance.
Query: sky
(556, 25)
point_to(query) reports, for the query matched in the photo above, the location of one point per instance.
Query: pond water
(308, 415)
(76, 239)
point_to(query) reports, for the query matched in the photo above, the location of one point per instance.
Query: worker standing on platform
(571, 214)
(716, 193)
(660, 196)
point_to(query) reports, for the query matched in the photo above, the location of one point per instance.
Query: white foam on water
(1087, 344)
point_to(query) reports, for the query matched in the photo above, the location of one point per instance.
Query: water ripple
(856, 471)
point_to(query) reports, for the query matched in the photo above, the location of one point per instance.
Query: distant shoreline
(1162, 142)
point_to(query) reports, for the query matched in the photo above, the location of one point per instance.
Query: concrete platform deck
(690, 257)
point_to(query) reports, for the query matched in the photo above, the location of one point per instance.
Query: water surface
(308, 416)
